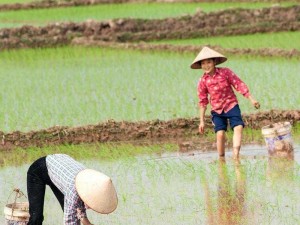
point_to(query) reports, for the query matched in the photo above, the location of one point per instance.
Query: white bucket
(278, 138)
(17, 213)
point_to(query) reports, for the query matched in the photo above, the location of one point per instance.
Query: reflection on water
(281, 168)
(230, 201)
(187, 189)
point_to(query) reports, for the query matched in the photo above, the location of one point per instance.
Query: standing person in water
(217, 82)
(75, 187)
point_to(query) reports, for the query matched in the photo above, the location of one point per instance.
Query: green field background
(76, 85)
(279, 40)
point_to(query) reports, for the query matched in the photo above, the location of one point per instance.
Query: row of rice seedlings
(76, 86)
(17, 1)
(280, 40)
(187, 191)
(113, 11)
(101, 151)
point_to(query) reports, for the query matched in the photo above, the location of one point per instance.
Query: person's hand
(201, 127)
(254, 102)
(79, 213)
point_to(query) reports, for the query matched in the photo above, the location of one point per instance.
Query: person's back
(75, 187)
(62, 170)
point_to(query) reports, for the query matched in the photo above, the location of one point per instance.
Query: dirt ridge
(125, 131)
(226, 22)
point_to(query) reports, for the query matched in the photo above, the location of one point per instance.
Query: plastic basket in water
(278, 138)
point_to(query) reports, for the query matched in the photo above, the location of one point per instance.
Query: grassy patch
(17, 1)
(104, 152)
(280, 40)
(77, 86)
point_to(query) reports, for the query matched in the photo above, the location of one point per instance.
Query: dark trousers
(37, 179)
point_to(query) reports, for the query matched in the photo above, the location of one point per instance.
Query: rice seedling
(113, 11)
(76, 86)
(186, 190)
(280, 40)
(101, 151)
(16, 1)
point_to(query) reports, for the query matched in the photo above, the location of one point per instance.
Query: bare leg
(221, 142)
(237, 140)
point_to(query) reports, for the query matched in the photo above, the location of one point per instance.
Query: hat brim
(218, 60)
(96, 190)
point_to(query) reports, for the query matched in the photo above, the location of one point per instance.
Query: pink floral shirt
(219, 87)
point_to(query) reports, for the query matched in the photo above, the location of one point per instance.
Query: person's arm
(83, 219)
(254, 102)
(202, 121)
(203, 101)
(241, 87)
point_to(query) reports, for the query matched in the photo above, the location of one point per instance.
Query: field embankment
(112, 131)
(225, 22)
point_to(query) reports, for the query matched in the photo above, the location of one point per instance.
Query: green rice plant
(18, 1)
(113, 11)
(185, 190)
(103, 151)
(75, 86)
(280, 40)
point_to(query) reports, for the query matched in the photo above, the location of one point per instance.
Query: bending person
(75, 187)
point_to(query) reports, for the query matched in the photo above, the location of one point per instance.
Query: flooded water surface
(187, 188)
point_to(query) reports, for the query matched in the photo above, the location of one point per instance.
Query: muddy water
(189, 188)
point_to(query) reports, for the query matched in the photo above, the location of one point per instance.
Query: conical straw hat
(207, 53)
(96, 190)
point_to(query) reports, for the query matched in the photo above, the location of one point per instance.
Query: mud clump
(124, 131)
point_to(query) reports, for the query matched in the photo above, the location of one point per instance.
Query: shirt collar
(216, 72)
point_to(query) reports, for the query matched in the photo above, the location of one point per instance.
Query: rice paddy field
(76, 85)
(250, 41)
(156, 183)
(39, 17)
(175, 188)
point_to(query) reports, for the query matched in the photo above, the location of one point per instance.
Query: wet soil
(226, 22)
(124, 131)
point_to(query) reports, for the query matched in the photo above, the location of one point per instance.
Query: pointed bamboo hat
(96, 190)
(207, 53)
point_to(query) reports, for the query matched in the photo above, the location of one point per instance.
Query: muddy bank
(123, 131)
(226, 22)
(66, 3)
(189, 48)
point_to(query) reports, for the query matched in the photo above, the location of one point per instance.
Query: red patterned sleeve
(202, 93)
(237, 83)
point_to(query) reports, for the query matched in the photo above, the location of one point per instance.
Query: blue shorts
(233, 115)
